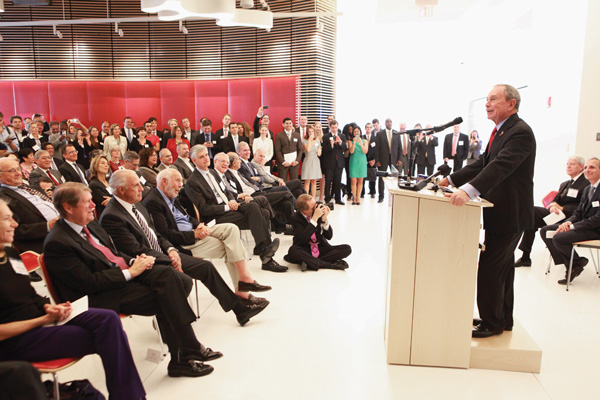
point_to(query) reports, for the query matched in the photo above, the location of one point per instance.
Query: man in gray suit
(43, 159)
(387, 149)
(404, 153)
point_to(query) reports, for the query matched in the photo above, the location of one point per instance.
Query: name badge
(36, 147)
(572, 193)
(18, 266)
(142, 180)
(222, 136)
(214, 142)
(212, 223)
(222, 186)
(373, 144)
(461, 142)
(295, 139)
(595, 204)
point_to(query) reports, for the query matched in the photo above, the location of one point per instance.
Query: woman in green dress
(358, 163)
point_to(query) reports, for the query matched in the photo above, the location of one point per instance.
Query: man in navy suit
(503, 175)
(387, 150)
(584, 224)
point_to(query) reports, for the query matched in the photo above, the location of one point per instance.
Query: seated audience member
(583, 224)
(130, 226)
(288, 142)
(131, 161)
(82, 261)
(197, 239)
(178, 137)
(116, 159)
(183, 164)
(24, 336)
(27, 160)
(281, 201)
(250, 172)
(56, 161)
(166, 160)
(115, 140)
(265, 143)
(70, 170)
(101, 191)
(312, 231)
(45, 185)
(262, 119)
(148, 159)
(43, 161)
(566, 200)
(35, 138)
(205, 190)
(140, 141)
(84, 147)
(21, 380)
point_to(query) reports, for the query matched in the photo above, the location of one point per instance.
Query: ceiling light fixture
(57, 33)
(249, 18)
(247, 3)
(182, 28)
(119, 31)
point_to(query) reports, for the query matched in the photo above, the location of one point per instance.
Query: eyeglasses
(11, 171)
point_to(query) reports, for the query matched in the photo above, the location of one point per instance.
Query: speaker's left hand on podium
(458, 198)
(444, 182)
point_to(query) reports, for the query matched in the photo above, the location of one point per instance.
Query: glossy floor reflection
(322, 335)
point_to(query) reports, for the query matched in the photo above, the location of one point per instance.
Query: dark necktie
(566, 189)
(591, 194)
(78, 170)
(110, 256)
(34, 192)
(151, 236)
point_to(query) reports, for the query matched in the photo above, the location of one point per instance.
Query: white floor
(322, 335)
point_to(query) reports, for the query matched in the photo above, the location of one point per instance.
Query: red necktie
(454, 145)
(404, 144)
(492, 138)
(110, 256)
(314, 246)
(52, 178)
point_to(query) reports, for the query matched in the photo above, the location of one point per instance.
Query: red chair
(549, 197)
(31, 260)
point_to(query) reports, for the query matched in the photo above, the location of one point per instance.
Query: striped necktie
(34, 192)
(150, 235)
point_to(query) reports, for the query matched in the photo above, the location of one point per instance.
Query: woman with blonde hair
(115, 140)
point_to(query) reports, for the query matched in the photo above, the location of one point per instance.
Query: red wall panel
(7, 101)
(211, 101)
(177, 100)
(32, 97)
(95, 101)
(106, 101)
(67, 101)
(244, 99)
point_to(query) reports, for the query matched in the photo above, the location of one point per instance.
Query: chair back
(549, 197)
(49, 285)
(31, 260)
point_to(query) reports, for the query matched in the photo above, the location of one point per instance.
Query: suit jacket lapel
(86, 246)
(132, 220)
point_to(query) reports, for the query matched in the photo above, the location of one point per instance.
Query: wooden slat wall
(158, 50)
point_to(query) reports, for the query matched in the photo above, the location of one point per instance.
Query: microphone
(443, 170)
(440, 128)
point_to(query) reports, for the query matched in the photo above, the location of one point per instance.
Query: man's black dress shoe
(523, 263)
(575, 272)
(288, 259)
(274, 266)
(303, 266)
(481, 331)
(340, 202)
(269, 251)
(206, 354)
(251, 300)
(362, 196)
(252, 287)
(289, 231)
(250, 312)
(478, 321)
(339, 264)
(191, 368)
(372, 195)
(380, 201)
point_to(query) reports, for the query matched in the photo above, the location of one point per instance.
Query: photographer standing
(426, 151)
(312, 231)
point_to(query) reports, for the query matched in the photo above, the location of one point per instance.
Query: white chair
(586, 244)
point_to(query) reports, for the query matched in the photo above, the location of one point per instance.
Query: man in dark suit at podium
(584, 224)
(566, 200)
(503, 175)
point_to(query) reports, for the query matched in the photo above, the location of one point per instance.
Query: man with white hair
(166, 159)
(197, 239)
(129, 224)
(43, 160)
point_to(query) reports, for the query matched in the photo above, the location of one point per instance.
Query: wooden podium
(431, 277)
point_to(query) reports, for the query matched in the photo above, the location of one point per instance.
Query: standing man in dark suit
(262, 119)
(209, 140)
(387, 150)
(130, 225)
(312, 231)
(302, 126)
(503, 175)
(82, 261)
(426, 152)
(70, 170)
(191, 135)
(456, 148)
(334, 146)
(128, 131)
(231, 142)
(370, 137)
(286, 142)
(224, 131)
(566, 200)
(583, 224)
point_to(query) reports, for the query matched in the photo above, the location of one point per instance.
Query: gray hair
(197, 149)
(219, 156)
(180, 145)
(577, 158)
(41, 153)
(130, 156)
(510, 92)
(242, 144)
(260, 150)
(166, 174)
(120, 178)
(232, 157)
(164, 151)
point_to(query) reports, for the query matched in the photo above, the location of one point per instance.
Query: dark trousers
(95, 331)
(529, 235)
(285, 171)
(19, 380)
(282, 202)
(561, 245)
(206, 272)
(421, 169)
(495, 278)
(327, 255)
(371, 187)
(333, 177)
(381, 185)
(250, 216)
(458, 163)
(295, 186)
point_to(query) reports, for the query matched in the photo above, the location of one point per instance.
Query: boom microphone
(440, 128)
(443, 170)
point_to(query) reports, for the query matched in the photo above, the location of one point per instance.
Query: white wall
(430, 70)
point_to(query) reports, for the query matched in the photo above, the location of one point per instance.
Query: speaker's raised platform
(512, 351)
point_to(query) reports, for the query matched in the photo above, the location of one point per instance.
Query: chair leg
(197, 300)
(549, 263)
(56, 388)
(570, 268)
(594, 259)
(160, 341)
